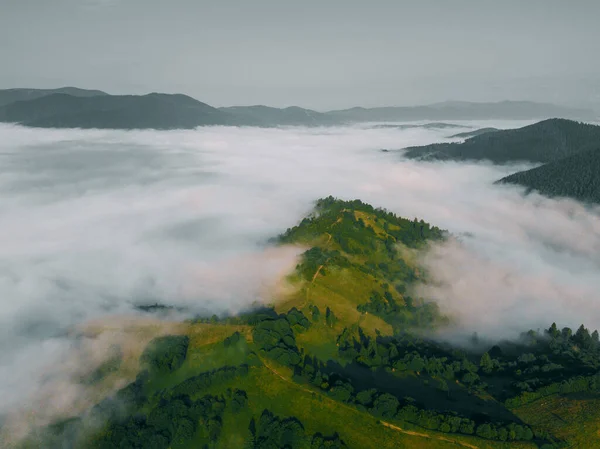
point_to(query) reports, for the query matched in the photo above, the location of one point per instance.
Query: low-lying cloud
(95, 222)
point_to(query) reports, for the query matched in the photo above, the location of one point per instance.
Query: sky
(318, 54)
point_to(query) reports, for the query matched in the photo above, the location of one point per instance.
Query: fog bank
(96, 222)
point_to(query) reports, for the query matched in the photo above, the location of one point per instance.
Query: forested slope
(576, 177)
(544, 141)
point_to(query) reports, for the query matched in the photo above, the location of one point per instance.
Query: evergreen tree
(486, 363)
(553, 331)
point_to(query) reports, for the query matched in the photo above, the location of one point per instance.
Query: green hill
(12, 95)
(544, 141)
(291, 116)
(158, 111)
(576, 176)
(345, 359)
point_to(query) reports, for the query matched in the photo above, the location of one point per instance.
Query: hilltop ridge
(544, 141)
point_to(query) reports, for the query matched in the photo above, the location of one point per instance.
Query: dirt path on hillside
(282, 377)
(316, 273)
(424, 435)
(307, 296)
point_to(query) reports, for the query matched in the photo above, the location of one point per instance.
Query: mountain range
(156, 111)
(70, 107)
(461, 110)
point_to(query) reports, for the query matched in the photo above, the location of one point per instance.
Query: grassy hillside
(576, 176)
(346, 360)
(545, 141)
(159, 111)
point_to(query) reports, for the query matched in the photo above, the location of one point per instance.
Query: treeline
(165, 354)
(277, 339)
(578, 384)
(387, 406)
(535, 361)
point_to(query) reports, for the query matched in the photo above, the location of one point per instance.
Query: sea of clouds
(94, 222)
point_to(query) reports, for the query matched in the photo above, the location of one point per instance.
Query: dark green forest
(546, 141)
(576, 177)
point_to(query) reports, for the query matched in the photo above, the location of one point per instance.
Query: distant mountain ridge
(542, 142)
(71, 107)
(156, 111)
(8, 96)
(290, 116)
(473, 133)
(462, 110)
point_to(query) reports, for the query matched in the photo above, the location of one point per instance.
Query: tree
(330, 318)
(443, 386)
(553, 331)
(366, 397)
(385, 406)
(486, 363)
(582, 337)
(316, 313)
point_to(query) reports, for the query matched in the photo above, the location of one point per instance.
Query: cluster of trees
(274, 432)
(578, 384)
(411, 313)
(387, 406)
(316, 257)
(165, 354)
(170, 422)
(275, 336)
(197, 384)
(535, 361)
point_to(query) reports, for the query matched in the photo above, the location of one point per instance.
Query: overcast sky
(315, 53)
